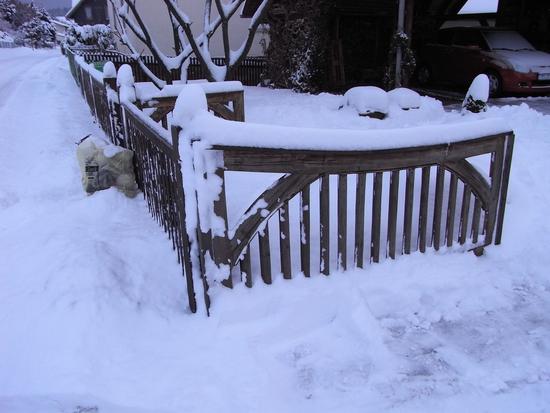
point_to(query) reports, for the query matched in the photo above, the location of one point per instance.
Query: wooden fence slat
(246, 268)
(392, 213)
(360, 219)
(423, 212)
(376, 217)
(342, 221)
(305, 234)
(438, 206)
(475, 220)
(451, 209)
(284, 241)
(324, 230)
(265, 254)
(409, 203)
(504, 186)
(464, 214)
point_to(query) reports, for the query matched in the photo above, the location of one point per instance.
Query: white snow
(405, 98)
(92, 300)
(190, 103)
(216, 131)
(479, 89)
(109, 70)
(366, 99)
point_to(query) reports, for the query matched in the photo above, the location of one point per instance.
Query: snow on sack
(104, 165)
(368, 101)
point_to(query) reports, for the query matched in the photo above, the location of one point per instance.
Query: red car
(512, 64)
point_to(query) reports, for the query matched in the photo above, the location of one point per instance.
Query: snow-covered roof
(76, 5)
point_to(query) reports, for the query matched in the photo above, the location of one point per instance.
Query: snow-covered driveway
(92, 315)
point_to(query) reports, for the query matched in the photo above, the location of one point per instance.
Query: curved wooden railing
(445, 201)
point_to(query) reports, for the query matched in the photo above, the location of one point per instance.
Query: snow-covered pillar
(398, 53)
(109, 75)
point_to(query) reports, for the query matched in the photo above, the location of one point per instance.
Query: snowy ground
(92, 315)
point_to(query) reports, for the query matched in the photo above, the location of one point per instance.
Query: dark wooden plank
(220, 244)
(451, 209)
(334, 162)
(284, 241)
(409, 203)
(497, 162)
(504, 186)
(246, 268)
(360, 219)
(265, 254)
(376, 217)
(423, 212)
(342, 221)
(438, 206)
(305, 233)
(475, 220)
(324, 229)
(392, 212)
(464, 214)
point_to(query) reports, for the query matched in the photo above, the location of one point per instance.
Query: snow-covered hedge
(98, 35)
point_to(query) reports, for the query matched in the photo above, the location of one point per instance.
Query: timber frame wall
(456, 206)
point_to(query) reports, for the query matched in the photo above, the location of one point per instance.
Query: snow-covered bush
(477, 96)
(368, 101)
(99, 35)
(39, 32)
(5, 37)
(297, 53)
(405, 98)
(7, 10)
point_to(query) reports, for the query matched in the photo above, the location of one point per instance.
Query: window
(469, 38)
(88, 12)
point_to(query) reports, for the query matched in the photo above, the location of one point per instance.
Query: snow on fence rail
(377, 196)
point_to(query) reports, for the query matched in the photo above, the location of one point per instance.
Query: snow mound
(479, 89)
(190, 102)
(405, 98)
(367, 99)
(125, 77)
(109, 70)
(125, 81)
(478, 95)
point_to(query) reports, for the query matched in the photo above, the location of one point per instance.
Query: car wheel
(423, 75)
(495, 84)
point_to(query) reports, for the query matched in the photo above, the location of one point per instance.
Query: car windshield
(507, 41)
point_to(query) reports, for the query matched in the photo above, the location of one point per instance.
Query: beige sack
(104, 165)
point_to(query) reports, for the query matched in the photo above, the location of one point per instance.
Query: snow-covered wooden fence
(339, 203)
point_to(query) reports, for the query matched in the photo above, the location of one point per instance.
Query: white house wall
(155, 16)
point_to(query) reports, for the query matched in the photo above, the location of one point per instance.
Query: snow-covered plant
(7, 10)
(185, 42)
(477, 96)
(98, 35)
(39, 32)
(400, 41)
(297, 52)
(368, 101)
